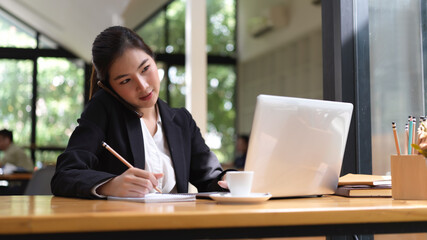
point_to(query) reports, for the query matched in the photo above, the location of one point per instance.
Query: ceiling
(75, 23)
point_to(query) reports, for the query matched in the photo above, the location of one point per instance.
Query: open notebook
(158, 197)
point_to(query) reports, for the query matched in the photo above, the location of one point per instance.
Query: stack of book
(363, 185)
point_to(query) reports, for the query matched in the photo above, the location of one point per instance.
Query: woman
(163, 144)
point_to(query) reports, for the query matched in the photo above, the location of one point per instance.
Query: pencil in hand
(105, 145)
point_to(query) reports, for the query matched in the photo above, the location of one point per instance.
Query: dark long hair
(109, 45)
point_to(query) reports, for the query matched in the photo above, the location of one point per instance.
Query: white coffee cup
(239, 182)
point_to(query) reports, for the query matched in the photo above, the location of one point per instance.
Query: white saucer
(252, 198)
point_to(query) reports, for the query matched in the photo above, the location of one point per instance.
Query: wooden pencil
(123, 160)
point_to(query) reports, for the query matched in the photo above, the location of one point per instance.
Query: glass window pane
(396, 73)
(221, 25)
(221, 111)
(177, 86)
(153, 33)
(176, 22)
(46, 157)
(15, 34)
(47, 43)
(60, 100)
(15, 98)
(161, 67)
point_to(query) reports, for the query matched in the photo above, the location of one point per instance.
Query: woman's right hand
(134, 182)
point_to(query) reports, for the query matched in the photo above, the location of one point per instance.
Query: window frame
(346, 75)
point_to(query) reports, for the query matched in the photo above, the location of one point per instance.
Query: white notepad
(158, 197)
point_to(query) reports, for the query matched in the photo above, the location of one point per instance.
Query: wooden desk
(16, 176)
(47, 217)
(16, 183)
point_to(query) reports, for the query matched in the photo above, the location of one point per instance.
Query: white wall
(137, 10)
(285, 61)
(303, 17)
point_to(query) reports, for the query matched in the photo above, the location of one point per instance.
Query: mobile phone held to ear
(126, 104)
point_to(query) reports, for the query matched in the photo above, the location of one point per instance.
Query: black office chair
(40, 182)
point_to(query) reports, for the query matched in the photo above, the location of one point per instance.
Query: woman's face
(135, 78)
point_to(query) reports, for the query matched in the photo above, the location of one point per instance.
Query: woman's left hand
(223, 184)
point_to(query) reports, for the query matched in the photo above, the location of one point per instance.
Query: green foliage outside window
(162, 76)
(221, 27)
(60, 100)
(154, 33)
(177, 86)
(176, 16)
(15, 98)
(221, 110)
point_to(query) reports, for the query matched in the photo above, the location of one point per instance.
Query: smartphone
(120, 99)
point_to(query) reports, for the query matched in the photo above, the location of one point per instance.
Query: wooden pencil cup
(409, 177)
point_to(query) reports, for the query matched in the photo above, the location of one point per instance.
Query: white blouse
(157, 156)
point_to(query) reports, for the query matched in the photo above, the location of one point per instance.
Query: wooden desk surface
(16, 176)
(47, 214)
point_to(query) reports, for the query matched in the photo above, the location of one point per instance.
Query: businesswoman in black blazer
(164, 144)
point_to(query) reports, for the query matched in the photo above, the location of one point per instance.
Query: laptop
(296, 145)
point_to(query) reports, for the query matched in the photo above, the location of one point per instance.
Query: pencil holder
(409, 177)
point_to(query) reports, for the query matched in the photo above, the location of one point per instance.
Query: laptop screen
(297, 145)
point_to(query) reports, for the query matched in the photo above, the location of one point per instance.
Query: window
(59, 102)
(41, 96)
(396, 73)
(154, 33)
(15, 98)
(175, 16)
(176, 86)
(221, 27)
(221, 111)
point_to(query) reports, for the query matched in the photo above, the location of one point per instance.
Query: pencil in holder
(409, 177)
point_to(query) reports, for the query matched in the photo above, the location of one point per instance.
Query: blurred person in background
(242, 144)
(12, 154)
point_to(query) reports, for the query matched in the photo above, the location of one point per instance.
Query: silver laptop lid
(297, 145)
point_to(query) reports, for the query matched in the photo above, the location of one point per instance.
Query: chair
(40, 181)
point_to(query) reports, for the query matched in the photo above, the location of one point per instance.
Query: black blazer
(85, 163)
